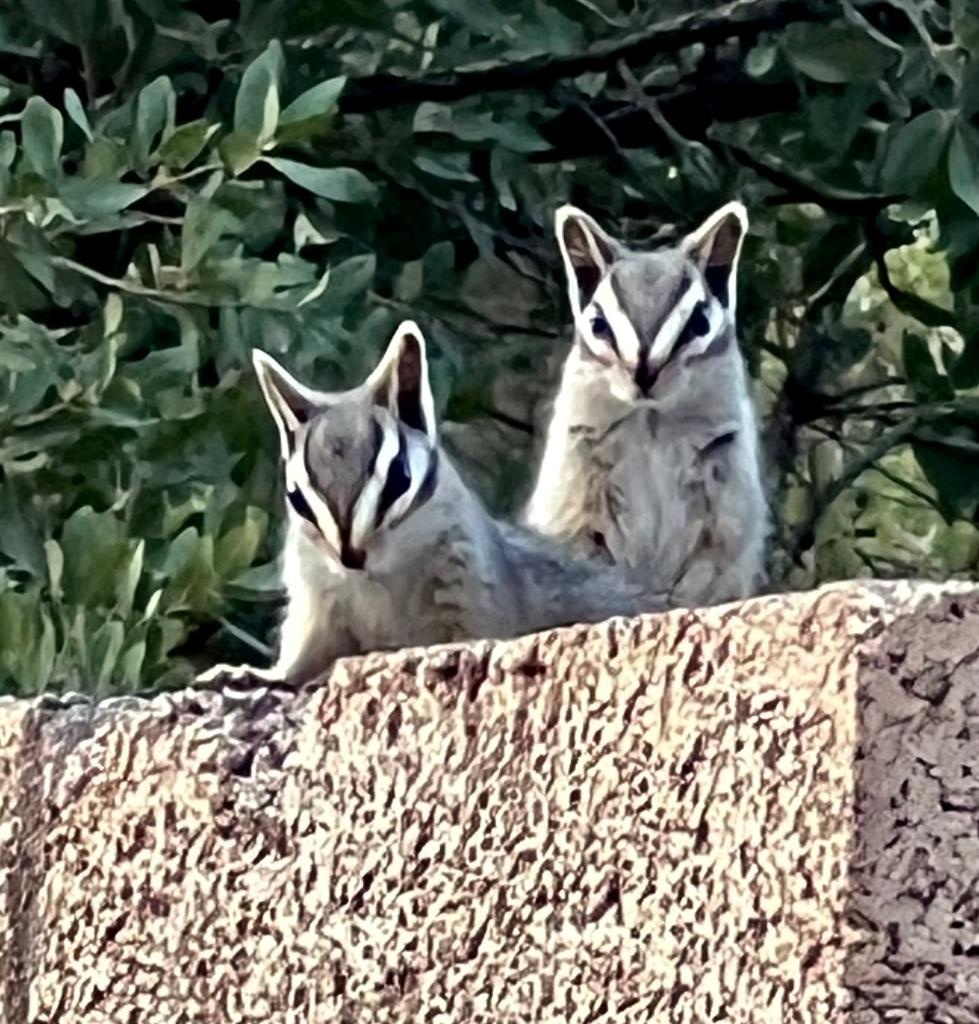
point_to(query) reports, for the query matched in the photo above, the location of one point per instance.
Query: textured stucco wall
(763, 812)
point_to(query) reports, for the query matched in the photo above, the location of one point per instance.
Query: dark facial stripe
(425, 492)
(301, 505)
(722, 441)
(398, 480)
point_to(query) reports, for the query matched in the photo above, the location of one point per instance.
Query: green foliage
(180, 183)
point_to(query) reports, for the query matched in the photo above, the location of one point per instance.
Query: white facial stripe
(365, 510)
(297, 477)
(668, 333)
(626, 338)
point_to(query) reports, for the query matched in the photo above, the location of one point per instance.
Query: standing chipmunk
(652, 453)
(386, 547)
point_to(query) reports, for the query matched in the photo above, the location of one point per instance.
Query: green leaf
(257, 102)
(963, 169)
(965, 24)
(155, 112)
(73, 105)
(350, 279)
(90, 199)
(239, 151)
(184, 144)
(236, 549)
(26, 640)
(915, 151)
(836, 53)
(8, 148)
(20, 540)
(952, 472)
(43, 130)
(450, 166)
(97, 555)
(316, 102)
(204, 223)
(340, 184)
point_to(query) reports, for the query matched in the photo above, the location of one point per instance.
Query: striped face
(646, 313)
(358, 463)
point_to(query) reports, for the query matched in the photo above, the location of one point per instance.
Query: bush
(182, 182)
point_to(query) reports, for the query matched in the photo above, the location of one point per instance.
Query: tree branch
(733, 20)
(803, 189)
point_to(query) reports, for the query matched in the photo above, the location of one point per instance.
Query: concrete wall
(763, 812)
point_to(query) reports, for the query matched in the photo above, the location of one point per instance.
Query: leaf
(340, 184)
(155, 112)
(915, 151)
(836, 53)
(43, 130)
(316, 102)
(350, 279)
(204, 223)
(450, 166)
(965, 24)
(96, 556)
(26, 640)
(963, 170)
(236, 550)
(184, 144)
(257, 101)
(951, 472)
(90, 199)
(20, 539)
(73, 105)
(239, 151)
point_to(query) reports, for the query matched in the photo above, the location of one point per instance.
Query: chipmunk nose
(645, 377)
(353, 558)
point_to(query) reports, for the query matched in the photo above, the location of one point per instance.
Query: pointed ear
(716, 248)
(587, 252)
(400, 381)
(290, 402)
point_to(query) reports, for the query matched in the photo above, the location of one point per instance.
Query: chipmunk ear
(290, 402)
(716, 248)
(587, 252)
(400, 381)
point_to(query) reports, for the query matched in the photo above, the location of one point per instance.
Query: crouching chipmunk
(386, 547)
(652, 452)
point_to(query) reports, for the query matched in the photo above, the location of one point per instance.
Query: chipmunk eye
(601, 328)
(696, 326)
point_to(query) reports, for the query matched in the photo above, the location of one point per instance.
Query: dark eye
(300, 504)
(696, 327)
(398, 480)
(602, 329)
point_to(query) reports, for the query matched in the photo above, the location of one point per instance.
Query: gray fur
(665, 482)
(442, 570)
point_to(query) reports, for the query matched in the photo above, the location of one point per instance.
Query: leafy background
(182, 181)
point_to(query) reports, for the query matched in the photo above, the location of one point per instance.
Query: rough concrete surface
(760, 812)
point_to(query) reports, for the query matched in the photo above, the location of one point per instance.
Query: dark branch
(734, 20)
(724, 95)
(800, 189)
